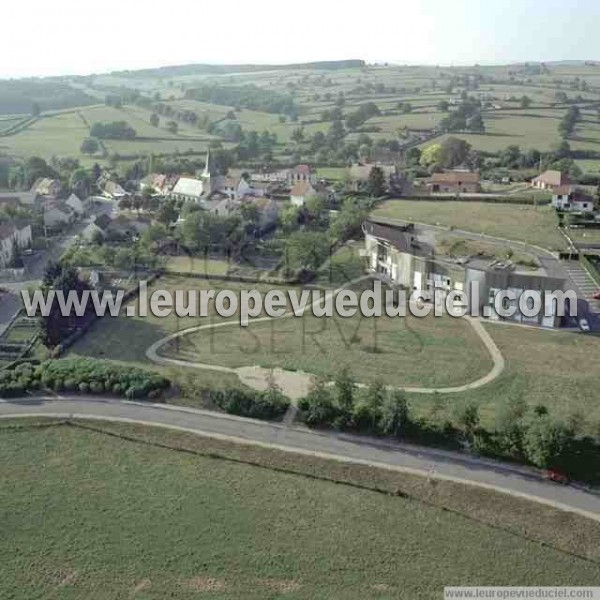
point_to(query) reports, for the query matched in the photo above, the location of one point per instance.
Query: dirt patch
(65, 577)
(204, 584)
(294, 384)
(144, 584)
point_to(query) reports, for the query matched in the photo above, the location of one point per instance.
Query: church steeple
(206, 172)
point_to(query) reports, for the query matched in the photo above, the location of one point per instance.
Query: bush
(271, 404)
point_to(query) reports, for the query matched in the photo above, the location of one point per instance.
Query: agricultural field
(532, 224)
(315, 90)
(88, 515)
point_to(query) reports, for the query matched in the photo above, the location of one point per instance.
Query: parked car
(584, 325)
(556, 476)
(597, 296)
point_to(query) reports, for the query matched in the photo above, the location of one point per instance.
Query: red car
(556, 476)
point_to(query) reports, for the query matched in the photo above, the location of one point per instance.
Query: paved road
(515, 480)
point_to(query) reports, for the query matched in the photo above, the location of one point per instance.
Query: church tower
(205, 176)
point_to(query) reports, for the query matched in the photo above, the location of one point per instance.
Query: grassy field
(535, 225)
(554, 368)
(411, 351)
(88, 515)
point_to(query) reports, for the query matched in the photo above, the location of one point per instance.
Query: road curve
(505, 478)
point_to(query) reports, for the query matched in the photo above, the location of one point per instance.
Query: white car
(584, 325)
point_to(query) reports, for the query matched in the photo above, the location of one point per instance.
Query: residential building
(301, 173)
(359, 173)
(58, 216)
(113, 190)
(280, 176)
(573, 199)
(549, 180)
(13, 236)
(80, 207)
(162, 184)
(454, 182)
(401, 258)
(46, 186)
(300, 193)
(25, 198)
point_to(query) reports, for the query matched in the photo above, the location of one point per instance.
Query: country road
(505, 478)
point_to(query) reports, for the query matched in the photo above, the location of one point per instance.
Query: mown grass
(558, 369)
(401, 351)
(532, 224)
(87, 515)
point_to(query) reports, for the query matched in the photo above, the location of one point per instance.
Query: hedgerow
(82, 375)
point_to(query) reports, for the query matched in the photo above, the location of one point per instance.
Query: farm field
(88, 515)
(534, 225)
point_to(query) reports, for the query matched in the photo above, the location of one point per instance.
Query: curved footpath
(505, 478)
(296, 384)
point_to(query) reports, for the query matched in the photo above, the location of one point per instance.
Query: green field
(402, 352)
(534, 225)
(315, 90)
(556, 368)
(90, 515)
(397, 351)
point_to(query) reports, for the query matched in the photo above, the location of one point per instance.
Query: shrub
(271, 404)
(84, 387)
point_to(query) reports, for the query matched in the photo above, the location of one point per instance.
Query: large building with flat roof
(403, 259)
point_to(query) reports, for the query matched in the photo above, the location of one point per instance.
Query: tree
(525, 101)
(454, 152)
(376, 182)
(467, 418)
(545, 440)
(89, 146)
(475, 123)
(307, 249)
(318, 407)
(298, 135)
(154, 120)
(510, 426)
(431, 155)
(35, 109)
(345, 389)
(394, 414)
(172, 127)
(443, 106)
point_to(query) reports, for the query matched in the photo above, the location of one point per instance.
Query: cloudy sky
(42, 37)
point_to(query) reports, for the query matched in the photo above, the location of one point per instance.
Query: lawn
(535, 225)
(401, 351)
(556, 368)
(394, 351)
(86, 515)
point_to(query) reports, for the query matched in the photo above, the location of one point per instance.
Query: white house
(572, 199)
(301, 173)
(301, 192)
(11, 236)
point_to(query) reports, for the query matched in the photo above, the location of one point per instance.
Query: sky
(61, 37)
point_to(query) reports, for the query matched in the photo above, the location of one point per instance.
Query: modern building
(398, 256)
